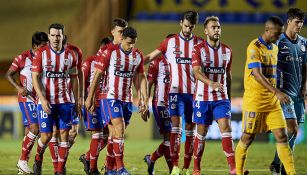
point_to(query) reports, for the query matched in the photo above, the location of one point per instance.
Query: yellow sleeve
(253, 56)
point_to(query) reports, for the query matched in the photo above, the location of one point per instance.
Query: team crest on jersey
(198, 114)
(224, 56)
(303, 48)
(173, 106)
(116, 109)
(66, 62)
(252, 115)
(94, 120)
(43, 125)
(289, 110)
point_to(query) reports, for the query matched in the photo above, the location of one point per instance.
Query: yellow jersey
(256, 97)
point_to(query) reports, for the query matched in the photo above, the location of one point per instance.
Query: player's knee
(281, 137)
(34, 129)
(247, 139)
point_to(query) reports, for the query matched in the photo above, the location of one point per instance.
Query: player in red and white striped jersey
(159, 76)
(123, 63)
(178, 52)
(22, 64)
(53, 66)
(211, 66)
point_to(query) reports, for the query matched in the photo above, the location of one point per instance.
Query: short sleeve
(152, 71)
(37, 62)
(196, 56)
(253, 57)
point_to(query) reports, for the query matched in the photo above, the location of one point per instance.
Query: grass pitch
(214, 162)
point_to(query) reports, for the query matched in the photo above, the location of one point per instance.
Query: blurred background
(88, 21)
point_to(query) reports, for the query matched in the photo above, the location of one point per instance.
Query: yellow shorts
(258, 122)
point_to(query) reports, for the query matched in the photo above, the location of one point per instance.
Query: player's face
(128, 44)
(295, 25)
(275, 32)
(213, 30)
(186, 28)
(55, 38)
(117, 34)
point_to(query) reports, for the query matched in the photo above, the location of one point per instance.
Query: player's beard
(214, 37)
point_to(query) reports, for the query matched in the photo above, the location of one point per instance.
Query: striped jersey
(178, 52)
(23, 64)
(159, 73)
(121, 67)
(215, 63)
(88, 68)
(56, 69)
(78, 53)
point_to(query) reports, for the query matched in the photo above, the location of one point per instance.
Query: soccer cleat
(110, 172)
(196, 172)
(61, 173)
(95, 172)
(37, 167)
(185, 172)
(123, 171)
(150, 165)
(23, 167)
(175, 170)
(86, 163)
(246, 172)
(275, 168)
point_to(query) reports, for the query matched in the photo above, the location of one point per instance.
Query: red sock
(228, 148)
(158, 153)
(87, 155)
(110, 158)
(40, 150)
(188, 148)
(63, 154)
(94, 148)
(175, 145)
(199, 146)
(27, 145)
(167, 155)
(54, 152)
(118, 148)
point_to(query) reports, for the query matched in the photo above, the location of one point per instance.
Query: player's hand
(304, 93)
(217, 86)
(22, 91)
(283, 98)
(46, 106)
(144, 110)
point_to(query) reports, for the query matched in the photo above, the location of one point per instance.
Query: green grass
(214, 162)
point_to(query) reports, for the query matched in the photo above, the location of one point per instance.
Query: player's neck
(186, 37)
(266, 40)
(57, 49)
(291, 35)
(214, 44)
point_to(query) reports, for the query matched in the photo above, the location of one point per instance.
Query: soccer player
(212, 68)
(26, 97)
(159, 76)
(261, 99)
(123, 63)
(291, 77)
(53, 66)
(93, 122)
(178, 52)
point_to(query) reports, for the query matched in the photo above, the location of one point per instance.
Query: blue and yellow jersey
(256, 97)
(292, 56)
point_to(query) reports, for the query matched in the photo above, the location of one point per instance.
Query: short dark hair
(130, 32)
(38, 38)
(56, 26)
(275, 20)
(105, 41)
(210, 18)
(119, 22)
(295, 13)
(170, 35)
(191, 16)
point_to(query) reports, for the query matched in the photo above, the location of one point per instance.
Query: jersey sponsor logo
(214, 70)
(183, 60)
(124, 74)
(53, 74)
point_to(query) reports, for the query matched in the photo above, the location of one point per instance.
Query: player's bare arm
(260, 78)
(153, 55)
(38, 89)
(228, 81)
(144, 96)
(89, 103)
(81, 88)
(10, 77)
(199, 75)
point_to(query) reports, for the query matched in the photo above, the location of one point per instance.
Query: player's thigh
(275, 120)
(203, 114)
(45, 120)
(253, 122)
(162, 118)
